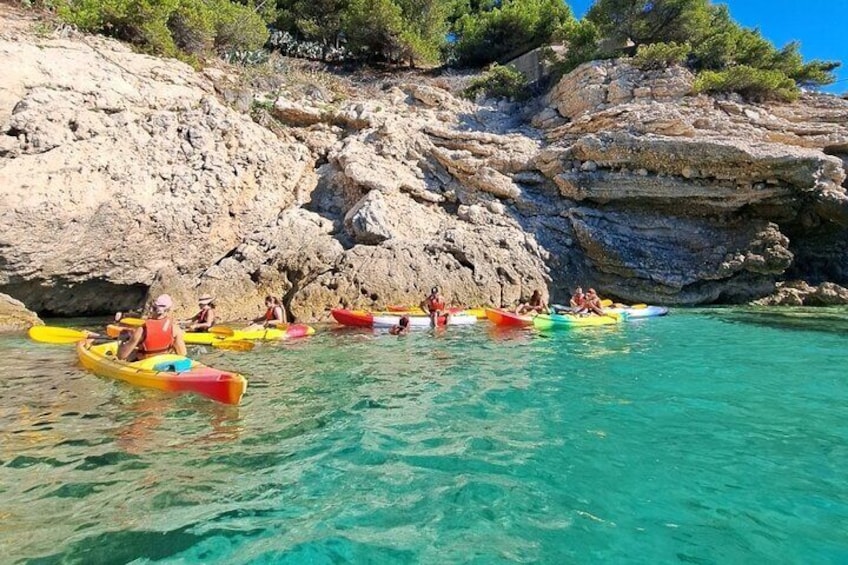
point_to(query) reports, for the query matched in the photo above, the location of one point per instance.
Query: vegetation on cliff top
(466, 33)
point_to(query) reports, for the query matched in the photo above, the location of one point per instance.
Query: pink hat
(163, 301)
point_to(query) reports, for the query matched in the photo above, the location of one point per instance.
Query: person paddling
(434, 304)
(159, 334)
(274, 313)
(205, 318)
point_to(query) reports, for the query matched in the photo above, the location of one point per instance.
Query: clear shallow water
(704, 437)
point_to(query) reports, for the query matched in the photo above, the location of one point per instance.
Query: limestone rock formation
(14, 316)
(123, 176)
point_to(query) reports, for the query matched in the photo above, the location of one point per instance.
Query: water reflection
(832, 319)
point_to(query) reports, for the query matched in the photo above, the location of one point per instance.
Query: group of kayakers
(588, 303)
(581, 303)
(161, 334)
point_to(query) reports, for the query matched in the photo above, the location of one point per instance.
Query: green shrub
(660, 55)
(192, 27)
(505, 31)
(754, 84)
(238, 27)
(170, 27)
(499, 81)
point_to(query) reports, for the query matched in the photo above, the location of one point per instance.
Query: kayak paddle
(234, 344)
(222, 331)
(52, 334)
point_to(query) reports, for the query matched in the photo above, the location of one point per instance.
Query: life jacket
(158, 337)
(271, 313)
(435, 304)
(203, 316)
(579, 299)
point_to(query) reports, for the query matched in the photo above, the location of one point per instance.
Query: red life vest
(271, 313)
(435, 304)
(203, 316)
(158, 337)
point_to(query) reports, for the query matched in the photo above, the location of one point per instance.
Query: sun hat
(205, 299)
(163, 301)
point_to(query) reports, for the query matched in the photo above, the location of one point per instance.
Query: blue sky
(820, 26)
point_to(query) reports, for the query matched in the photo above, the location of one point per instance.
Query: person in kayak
(205, 319)
(593, 303)
(402, 326)
(435, 305)
(159, 334)
(533, 306)
(274, 313)
(578, 301)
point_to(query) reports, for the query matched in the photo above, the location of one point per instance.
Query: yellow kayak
(205, 338)
(165, 372)
(555, 321)
(271, 334)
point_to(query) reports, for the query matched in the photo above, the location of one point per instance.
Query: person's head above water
(162, 305)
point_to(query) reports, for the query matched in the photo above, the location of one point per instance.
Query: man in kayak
(434, 304)
(578, 301)
(205, 319)
(533, 306)
(159, 334)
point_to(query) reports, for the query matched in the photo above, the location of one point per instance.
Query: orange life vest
(158, 337)
(435, 304)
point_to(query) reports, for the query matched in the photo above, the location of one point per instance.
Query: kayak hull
(508, 319)
(356, 318)
(479, 313)
(645, 312)
(291, 331)
(173, 373)
(566, 321)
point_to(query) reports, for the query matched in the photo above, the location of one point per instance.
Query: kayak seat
(174, 366)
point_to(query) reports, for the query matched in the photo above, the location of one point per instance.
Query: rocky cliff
(124, 175)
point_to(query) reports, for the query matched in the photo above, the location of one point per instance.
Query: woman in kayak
(402, 326)
(159, 334)
(533, 306)
(593, 303)
(434, 304)
(578, 302)
(205, 319)
(274, 313)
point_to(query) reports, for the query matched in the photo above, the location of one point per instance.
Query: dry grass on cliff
(340, 82)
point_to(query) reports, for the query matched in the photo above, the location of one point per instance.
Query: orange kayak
(174, 373)
(509, 319)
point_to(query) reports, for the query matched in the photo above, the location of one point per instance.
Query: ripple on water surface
(702, 437)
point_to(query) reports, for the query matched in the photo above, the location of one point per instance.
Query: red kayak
(509, 319)
(362, 319)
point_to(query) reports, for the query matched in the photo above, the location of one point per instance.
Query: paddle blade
(233, 345)
(133, 322)
(639, 306)
(222, 331)
(51, 334)
(606, 302)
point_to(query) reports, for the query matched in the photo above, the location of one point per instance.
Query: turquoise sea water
(716, 436)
